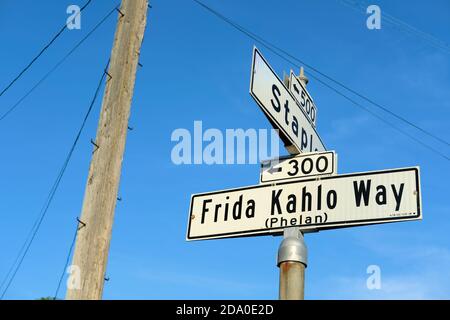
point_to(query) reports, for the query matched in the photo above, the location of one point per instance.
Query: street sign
(316, 164)
(313, 204)
(281, 109)
(303, 98)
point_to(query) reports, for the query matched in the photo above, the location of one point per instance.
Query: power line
(57, 65)
(273, 48)
(28, 66)
(34, 230)
(37, 222)
(403, 26)
(385, 109)
(382, 119)
(270, 47)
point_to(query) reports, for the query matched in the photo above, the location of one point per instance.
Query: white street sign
(281, 109)
(316, 164)
(303, 98)
(313, 204)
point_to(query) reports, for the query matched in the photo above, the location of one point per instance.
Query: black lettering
(380, 197)
(294, 167)
(237, 209)
(276, 93)
(308, 106)
(304, 142)
(310, 162)
(325, 165)
(397, 196)
(225, 215)
(273, 221)
(276, 202)
(291, 204)
(286, 110)
(216, 212)
(362, 191)
(295, 125)
(306, 199)
(205, 209)
(319, 197)
(313, 114)
(331, 199)
(319, 219)
(250, 211)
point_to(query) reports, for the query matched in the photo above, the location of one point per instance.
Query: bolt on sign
(313, 204)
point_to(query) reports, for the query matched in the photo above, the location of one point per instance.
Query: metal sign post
(292, 261)
(292, 253)
(301, 192)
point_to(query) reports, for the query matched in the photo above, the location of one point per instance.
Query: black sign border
(333, 155)
(285, 137)
(293, 76)
(266, 231)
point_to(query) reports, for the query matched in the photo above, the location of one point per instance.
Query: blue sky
(198, 68)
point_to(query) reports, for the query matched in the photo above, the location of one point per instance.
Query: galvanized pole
(292, 261)
(293, 256)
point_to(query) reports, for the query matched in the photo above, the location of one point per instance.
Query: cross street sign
(303, 165)
(313, 204)
(281, 109)
(303, 98)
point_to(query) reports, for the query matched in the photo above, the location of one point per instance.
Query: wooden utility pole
(94, 235)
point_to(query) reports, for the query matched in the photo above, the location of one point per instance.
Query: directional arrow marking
(281, 108)
(316, 164)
